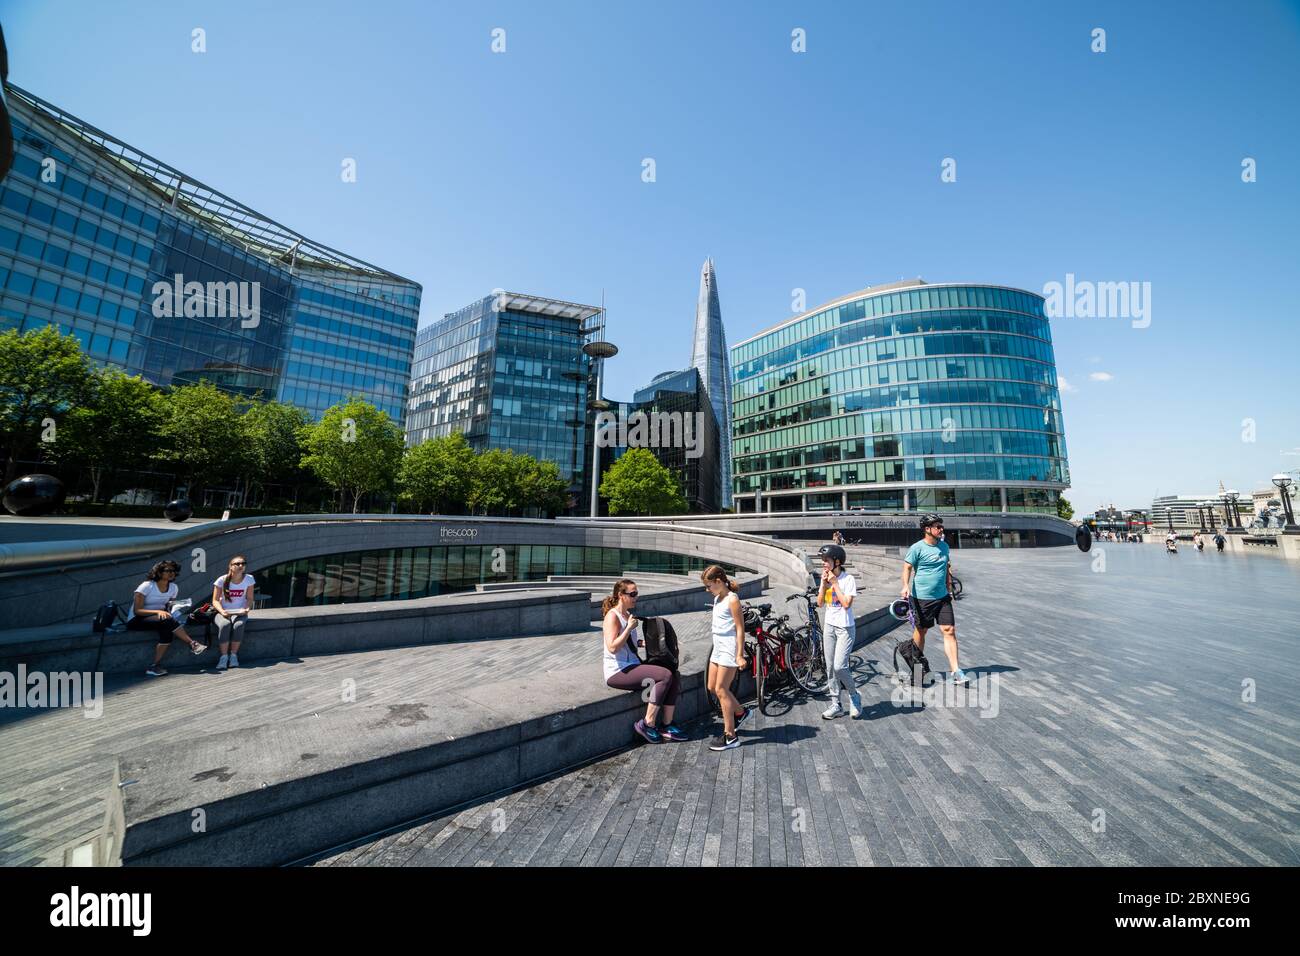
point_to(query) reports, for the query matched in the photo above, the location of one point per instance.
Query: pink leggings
(667, 684)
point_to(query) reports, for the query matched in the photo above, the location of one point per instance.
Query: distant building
(507, 371)
(164, 277)
(709, 355)
(911, 396)
(699, 469)
(1183, 509)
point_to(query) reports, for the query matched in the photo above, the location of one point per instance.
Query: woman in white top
(624, 670)
(232, 598)
(149, 612)
(728, 653)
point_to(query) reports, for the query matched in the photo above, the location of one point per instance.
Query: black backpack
(660, 643)
(107, 616)
(912, 657)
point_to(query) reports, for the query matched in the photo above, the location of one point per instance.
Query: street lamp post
(1232, 497)
(598, 350)
(1209, 506)
(1283, 482)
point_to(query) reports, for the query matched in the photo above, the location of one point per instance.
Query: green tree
(116, 429)
(543, 488)
(355, 449)
(273, 443)
(638, 484)
(42, 374)
(437, 474)
(202, 435)
(497, 480)
(1064, 509)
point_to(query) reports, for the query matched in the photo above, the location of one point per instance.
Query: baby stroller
(1171, 545)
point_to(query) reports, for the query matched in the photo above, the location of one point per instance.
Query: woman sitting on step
(625, 671)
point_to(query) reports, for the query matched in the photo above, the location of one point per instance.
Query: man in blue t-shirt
(927, 584)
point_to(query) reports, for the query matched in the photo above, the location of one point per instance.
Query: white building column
(1003, 490)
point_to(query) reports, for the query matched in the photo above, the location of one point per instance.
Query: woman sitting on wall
(625, 671)
(232, 599)
(149, 612)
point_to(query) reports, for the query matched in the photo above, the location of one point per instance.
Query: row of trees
(56, 407)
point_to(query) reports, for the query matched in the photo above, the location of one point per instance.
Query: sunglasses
(236, 564)
(632, 594)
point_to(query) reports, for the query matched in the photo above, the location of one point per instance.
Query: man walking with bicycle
(927, 585)
(837, 591)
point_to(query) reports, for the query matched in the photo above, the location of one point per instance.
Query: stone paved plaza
(1144, 714)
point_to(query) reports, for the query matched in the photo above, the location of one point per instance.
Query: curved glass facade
(393, 574)
(912, 396)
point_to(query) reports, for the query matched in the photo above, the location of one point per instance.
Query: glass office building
(699, 469)
(92, 231)
(508, 371)
(909, 396)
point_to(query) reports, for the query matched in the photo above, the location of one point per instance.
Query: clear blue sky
(817, 171)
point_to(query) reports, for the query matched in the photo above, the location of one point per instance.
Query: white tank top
(724, 625)
(625, 656)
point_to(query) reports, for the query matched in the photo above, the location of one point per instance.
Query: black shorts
(930, 613)
(163, 627)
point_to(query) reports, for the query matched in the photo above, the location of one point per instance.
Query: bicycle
(776, 653)
(809, 661)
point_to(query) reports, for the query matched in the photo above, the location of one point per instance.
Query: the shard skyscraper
(709, 355)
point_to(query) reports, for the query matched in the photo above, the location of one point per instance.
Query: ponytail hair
(715, 572)
(621, 585)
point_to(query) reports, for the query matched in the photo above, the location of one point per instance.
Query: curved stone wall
(60, 582)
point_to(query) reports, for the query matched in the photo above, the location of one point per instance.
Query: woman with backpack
(232, 599)
(728, 653)
(149, 612)
(624, 669)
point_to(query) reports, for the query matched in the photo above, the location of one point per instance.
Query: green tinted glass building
(909, 396)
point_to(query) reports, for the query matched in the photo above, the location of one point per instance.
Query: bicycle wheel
(760, 678)
(956, 587)
(803, 657)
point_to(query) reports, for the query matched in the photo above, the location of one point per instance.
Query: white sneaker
(196, 648)
(835, 710)
(223, 661)
(855, 706)
(234, 660)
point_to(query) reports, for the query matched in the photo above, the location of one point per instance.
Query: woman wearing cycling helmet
(837, 591)
(927, 583)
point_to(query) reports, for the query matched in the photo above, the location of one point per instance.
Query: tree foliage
(638, 484)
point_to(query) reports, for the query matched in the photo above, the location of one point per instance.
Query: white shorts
(724, 652)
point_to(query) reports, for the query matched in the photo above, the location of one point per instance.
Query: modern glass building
(508, 371)
(92, 230)
(700, 472)
(709, 357)
(909, 396)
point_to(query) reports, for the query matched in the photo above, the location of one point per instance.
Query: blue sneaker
(959, 677)
(649, 733)
(672, 732)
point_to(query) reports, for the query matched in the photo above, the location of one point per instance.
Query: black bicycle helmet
(832, 551)
(930, 519)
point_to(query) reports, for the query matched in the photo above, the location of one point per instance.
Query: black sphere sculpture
(33, 495)
(1083, 538)
(178, 510)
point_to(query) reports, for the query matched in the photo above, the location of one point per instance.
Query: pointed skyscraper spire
(710, 356)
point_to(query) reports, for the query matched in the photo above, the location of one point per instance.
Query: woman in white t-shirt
(149, 612)
(232, 598)
(624, 670)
